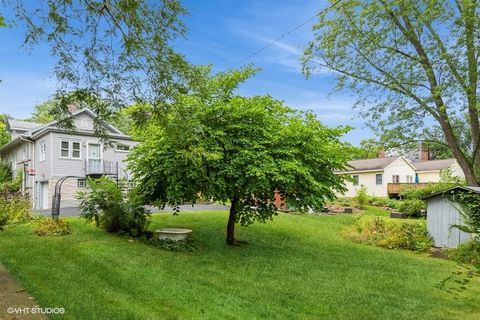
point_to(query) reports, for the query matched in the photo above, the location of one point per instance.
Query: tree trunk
(232, 218)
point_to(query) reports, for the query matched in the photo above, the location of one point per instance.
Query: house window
(409, 179)
(122, 147)
(379, 179)
(70, 149)
(24, 152)
(76, 150)
(396, 178)
(43, 151)
(355, 180)
(81, 183)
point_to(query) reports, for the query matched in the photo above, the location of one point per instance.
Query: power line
(286, 34)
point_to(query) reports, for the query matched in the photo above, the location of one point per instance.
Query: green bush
(362, 197)
(44, 226)
(107, 205)
(384, 202)
(385, 233)
(411, 207)
(468, 252)
(14, 208)
(7, 182)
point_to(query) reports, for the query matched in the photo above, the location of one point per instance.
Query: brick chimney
(424, 154)
(381, 152)
(72, 108)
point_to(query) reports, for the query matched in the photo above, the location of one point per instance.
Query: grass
(296, 267)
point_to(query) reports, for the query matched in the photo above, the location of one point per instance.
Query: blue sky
(220, 32)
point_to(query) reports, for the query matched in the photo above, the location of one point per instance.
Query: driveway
(74, 211)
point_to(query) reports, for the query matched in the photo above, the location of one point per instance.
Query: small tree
(362, 197)
(237, 149)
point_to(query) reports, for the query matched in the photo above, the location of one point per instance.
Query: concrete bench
(173, 233)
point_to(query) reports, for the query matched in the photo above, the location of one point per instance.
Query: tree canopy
(118, 51)
(414, 64)
(4, 135)
(368, 148)
(228, 148)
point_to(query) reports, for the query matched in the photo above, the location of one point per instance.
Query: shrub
(362, 197)
(388, 234)
(44, 226)
(384, 202)
(411, 207)
(107, 205)
(14, 208)
(408, 236)
(8, 183)
(468, 252)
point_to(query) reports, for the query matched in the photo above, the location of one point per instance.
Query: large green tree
(4, 136)
(414, 64)
(239, 150)
(116, 51)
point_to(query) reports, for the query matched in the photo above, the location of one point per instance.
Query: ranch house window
(355, 180)
(379, 179)
(396, 178)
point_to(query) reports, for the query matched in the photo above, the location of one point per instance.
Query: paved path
(73, 211)
(13, 295)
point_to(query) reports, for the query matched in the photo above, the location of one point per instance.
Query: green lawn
(296, 267)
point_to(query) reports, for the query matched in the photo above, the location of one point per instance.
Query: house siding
(367, 179)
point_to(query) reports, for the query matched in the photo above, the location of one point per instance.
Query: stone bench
(173, 233)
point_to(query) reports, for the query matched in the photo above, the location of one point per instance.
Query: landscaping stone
(398, 215)
(173, 234)
(348, 210)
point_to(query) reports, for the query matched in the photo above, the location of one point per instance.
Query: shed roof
(431, 165)
(464, 188)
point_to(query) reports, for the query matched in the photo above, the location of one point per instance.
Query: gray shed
(441, 214)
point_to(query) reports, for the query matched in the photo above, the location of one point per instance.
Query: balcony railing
(100, 167)
(397, 188)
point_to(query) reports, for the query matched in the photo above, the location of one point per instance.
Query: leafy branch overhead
(228, 148)
(414, 65)
(118, 50)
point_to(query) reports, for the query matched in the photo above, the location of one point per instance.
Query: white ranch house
(48, 153)
(385, 177)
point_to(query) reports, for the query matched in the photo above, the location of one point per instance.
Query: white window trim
(70, 149)
(381, 178)
(43, 151)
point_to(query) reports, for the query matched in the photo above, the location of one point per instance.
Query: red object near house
(278, 201)
(30, 172)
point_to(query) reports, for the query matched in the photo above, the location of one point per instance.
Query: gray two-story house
(47, 153)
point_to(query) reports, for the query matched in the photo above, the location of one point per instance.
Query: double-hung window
(70, 149)
(396, 178)
(43, 151)
(379, 179)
